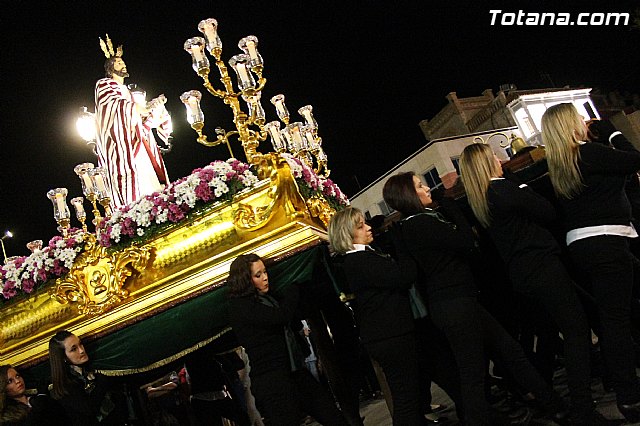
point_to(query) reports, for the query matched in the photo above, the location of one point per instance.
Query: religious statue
(126, 145)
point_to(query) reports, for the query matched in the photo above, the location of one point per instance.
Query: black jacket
(260, 329)
(84, 407)
(518, 219)
(604, 171)
(442, 249)
(381, 286)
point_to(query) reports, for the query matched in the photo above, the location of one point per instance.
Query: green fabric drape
(166, 336)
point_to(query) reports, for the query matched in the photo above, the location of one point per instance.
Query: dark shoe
(630, 412)
(595, 419)
(434, 419)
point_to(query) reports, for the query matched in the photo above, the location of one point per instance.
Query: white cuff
(614, 134)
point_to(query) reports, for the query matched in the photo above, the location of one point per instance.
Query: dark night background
(371, 69)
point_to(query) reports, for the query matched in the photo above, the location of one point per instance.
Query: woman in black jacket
(442, 243)
(383, 310)
(515, 218)
(263, 323)
(89, 398)
(589, 180)
(20, 406)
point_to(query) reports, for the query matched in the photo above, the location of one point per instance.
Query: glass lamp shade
(256, 112)
(296, 132)
(86, 125)
(191, 101)
(88, 186)
(277, 141)
(209, 27)
(307, 112)
(58, 197)
(288, 138)
(240, 63)
(309, 138)
(76, 202)
(195, 47)
(321, 156)
(99, 177)
(281, 108)
(249, 46)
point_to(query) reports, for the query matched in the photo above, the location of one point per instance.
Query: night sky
(371, 69)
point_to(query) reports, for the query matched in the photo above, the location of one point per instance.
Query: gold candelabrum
(94, 188)
(298, 138)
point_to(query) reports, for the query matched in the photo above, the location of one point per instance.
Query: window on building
(587, 107)
(432, 178)
(456, 164)
(384, 208)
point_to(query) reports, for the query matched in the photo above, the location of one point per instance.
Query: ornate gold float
(106, 290)
(109, 288)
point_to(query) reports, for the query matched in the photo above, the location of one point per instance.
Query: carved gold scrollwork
(320, 208)
(283, 192)
(96, 281)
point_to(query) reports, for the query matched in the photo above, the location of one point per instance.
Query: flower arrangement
(310, 184)
(218, 181)
(24, 273)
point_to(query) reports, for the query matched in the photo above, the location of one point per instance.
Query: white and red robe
(126, 146)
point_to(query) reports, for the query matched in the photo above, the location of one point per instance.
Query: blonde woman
(515, 219)
(383, 310)
(588, 179)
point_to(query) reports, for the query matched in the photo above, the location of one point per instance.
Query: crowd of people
(436, 246)
(420, 307)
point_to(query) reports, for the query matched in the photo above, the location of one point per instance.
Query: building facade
(497, 120)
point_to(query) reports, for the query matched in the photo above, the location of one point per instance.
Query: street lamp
(7, 234)
(86, 126)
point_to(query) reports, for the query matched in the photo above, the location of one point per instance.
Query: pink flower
(175, 213)
(203, 192)
(28, 285)
(9, 290)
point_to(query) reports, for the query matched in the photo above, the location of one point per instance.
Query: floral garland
(218, 181)
(310, 184)
(24, 273)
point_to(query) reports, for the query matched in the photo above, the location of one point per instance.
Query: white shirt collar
(358, 247)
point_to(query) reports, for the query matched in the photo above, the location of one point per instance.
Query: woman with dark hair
(263, 322)
(515, 218)
(381, 286)
(589, 180)
(442, 243)
(21, 406)
(87, 397)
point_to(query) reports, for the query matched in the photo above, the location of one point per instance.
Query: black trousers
(471, 331)
(437, 364)
(551, 286)
(284, 397)
(607, 262)
(399, 361)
